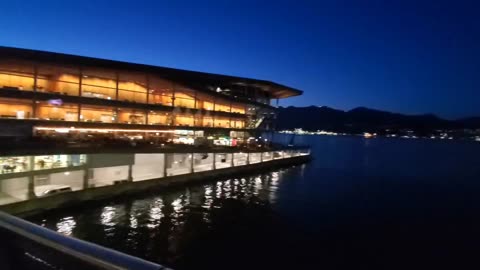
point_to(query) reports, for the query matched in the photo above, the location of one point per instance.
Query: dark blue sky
(404, 56)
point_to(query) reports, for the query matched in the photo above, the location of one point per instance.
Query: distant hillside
(364, 119)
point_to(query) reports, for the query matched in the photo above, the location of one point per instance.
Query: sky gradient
(402, 56)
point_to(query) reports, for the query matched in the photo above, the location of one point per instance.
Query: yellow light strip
(103, 130)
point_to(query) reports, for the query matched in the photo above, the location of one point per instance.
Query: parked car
(48, 190)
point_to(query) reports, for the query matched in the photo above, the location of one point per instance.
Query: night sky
(402, 56)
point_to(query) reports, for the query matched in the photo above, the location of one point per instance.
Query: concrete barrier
(37, 205)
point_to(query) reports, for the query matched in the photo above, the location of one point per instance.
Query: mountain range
(363, 119)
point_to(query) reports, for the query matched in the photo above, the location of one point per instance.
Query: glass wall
(178, 164)
(15, 108)
(160, 92)
(202, 162)
(222, 122)
(237, 123)
(98, 114)
(131, 116)
(222, 106)
(205, 121)
(184, 97)
(58, 161)
(205, 102)
(15, 164)
(56, 79)
(99, 83)
(15, 74)
(159, 118)
(238, 108)
(223, 160)
(132, 87)
(56, 110)
(184, 120)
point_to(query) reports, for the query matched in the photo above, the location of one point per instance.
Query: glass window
(50, 162)
(206, 121)
(238, 108)
(97, 114)
(15, 108)
(222, 122)
(159, 118)
(131, 116)
(222, 106)
(204, 102)
(56, 110)
(160, 92)
(237, 123)
(14, 164)
(98, 83)
(184, 97)
(132, 87)
(184, 120)
(16, 74)
(56, 79)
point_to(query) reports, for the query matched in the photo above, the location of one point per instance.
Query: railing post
(232, 164)
(248, 158)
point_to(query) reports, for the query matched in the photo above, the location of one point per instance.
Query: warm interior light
(104, 130)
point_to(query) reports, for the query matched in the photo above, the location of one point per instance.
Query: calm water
(377, 204)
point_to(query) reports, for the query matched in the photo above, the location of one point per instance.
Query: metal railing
(24, 245)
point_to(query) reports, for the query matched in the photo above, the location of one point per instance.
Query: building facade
(51, 94)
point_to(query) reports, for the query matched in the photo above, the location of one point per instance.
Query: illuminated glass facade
(46, 87)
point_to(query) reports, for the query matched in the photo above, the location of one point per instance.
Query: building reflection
(165, 227)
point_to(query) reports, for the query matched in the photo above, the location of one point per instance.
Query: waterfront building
(58, 95)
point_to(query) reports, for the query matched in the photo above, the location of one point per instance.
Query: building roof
(197, 78)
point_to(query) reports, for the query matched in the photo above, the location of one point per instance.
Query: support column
(35, 75)
(130, 170)
(261, 157)
(165, 165)
(79, 112)
(116, 85)
(232, 163)
(147, 80)
(31, 188)
(31, 182)
(191, 163)
(248, 158)
(86, 174)
(214, 161)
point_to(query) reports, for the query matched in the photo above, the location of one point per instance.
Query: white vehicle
(48, 190)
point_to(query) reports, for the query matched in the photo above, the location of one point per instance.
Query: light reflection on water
(162, 227)
(367, 205)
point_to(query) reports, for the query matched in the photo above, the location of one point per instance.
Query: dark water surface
(361, 204)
